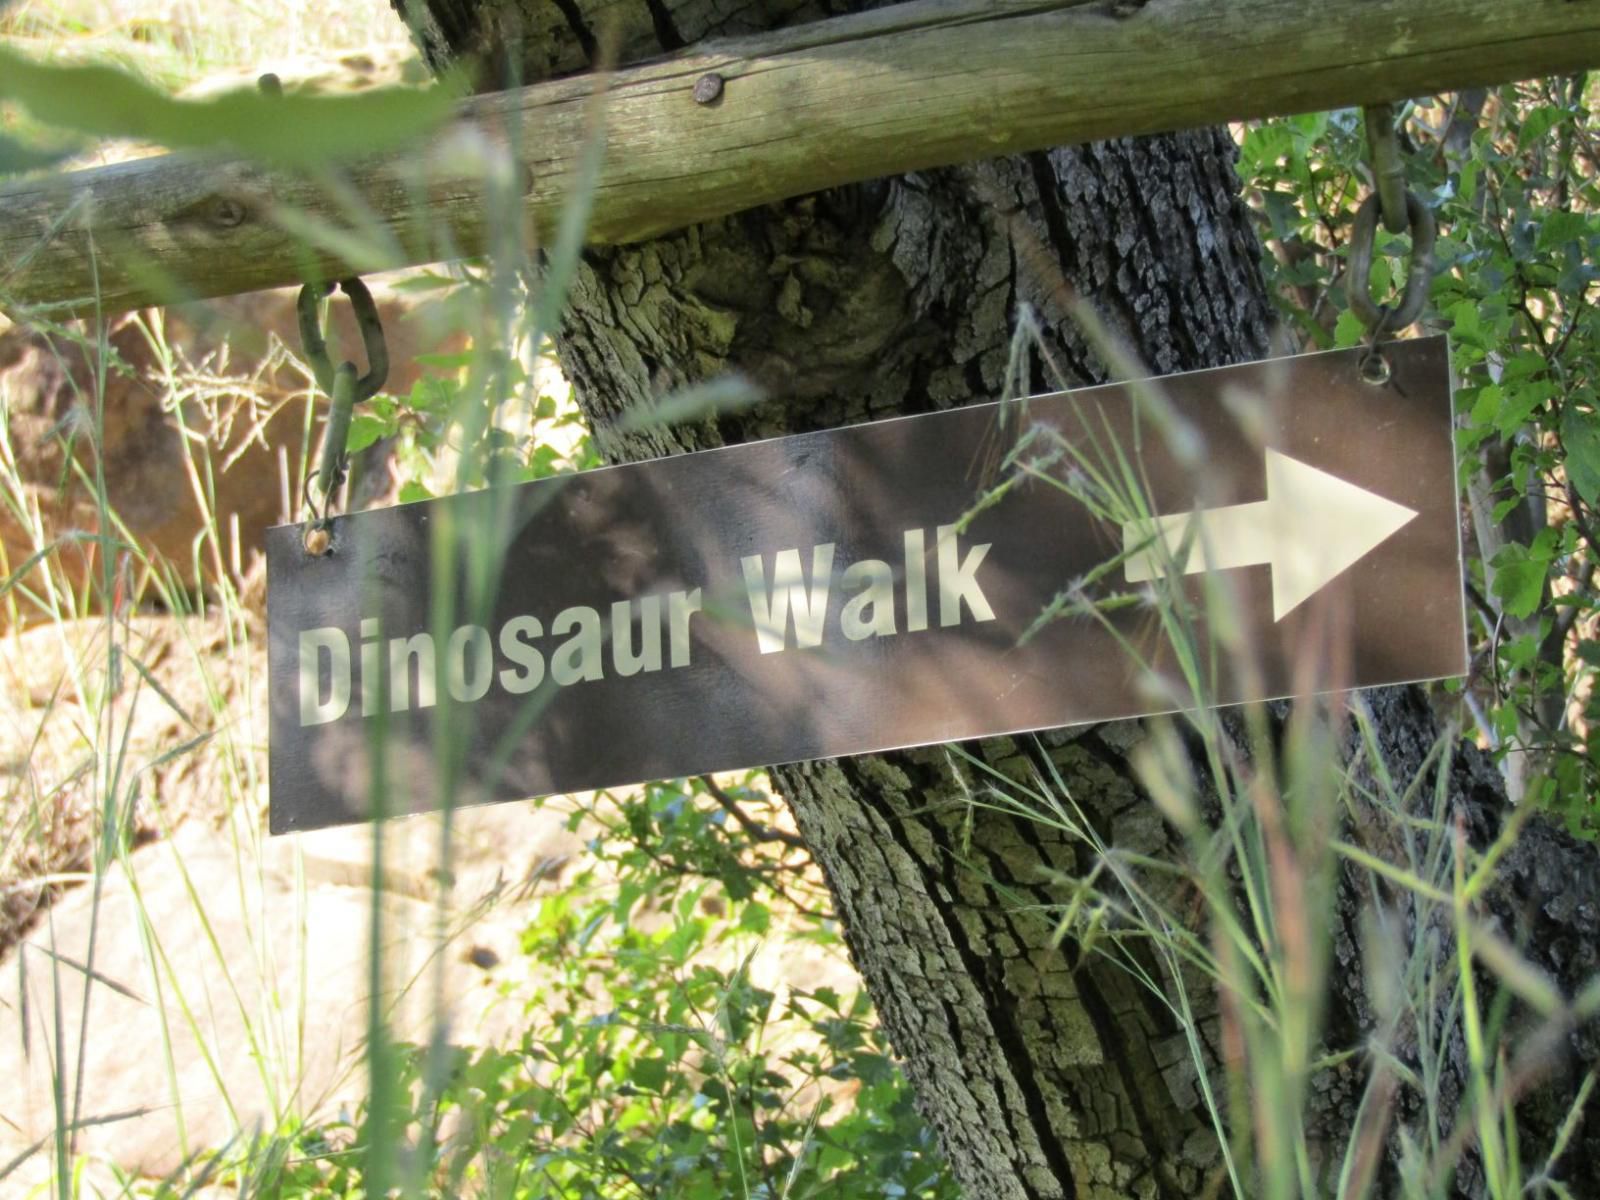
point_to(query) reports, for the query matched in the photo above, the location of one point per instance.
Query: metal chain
(345, 390)
(1401, 210)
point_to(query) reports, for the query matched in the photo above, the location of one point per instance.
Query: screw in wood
(708, 88)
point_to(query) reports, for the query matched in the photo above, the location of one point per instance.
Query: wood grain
(898, 89)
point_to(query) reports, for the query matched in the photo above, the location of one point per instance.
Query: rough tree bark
(1047, 1073)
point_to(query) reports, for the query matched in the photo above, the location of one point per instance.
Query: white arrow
(1311, 526)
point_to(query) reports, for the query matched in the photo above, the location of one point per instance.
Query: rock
(260, 1004)
(203, 400)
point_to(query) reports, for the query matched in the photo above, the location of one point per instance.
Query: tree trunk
(1047, 1072)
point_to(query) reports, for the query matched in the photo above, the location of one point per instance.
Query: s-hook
(344, 389)
(1401, 209)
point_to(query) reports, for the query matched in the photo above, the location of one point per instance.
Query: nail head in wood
(708, 88)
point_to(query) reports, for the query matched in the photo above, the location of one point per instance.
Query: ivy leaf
(756, 918)
(1580, 436)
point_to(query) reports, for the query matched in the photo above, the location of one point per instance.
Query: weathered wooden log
(738, 123)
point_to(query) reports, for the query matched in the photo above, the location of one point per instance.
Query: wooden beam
(909, 87)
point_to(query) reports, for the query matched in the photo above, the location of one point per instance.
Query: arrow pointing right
(1310, 528)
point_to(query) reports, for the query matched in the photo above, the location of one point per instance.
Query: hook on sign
(345, 390)
(367, 320)
(1388, 172)
(334, 463)
(1384, 319)
(1401, 209)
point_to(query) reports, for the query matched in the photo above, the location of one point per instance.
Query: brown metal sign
(960, 574)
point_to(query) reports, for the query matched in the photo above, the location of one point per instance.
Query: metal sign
(960, 574)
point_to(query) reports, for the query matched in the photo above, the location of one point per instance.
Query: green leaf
(1506, 507)
(445, 362)
(365, 429)
(1539, 123)
(1522, 652)
(1580, 437)
(1519, 403)
(1348, 330)
(1558, 228)
(1466, 320)
(432, 394)
(542, 463)
(425, 281)
(755, 918)
(650, 1074)
(16, 156)
(1486, 408)
(1519, 573)
(1265, 145)
(288, 130)
(693, 403)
